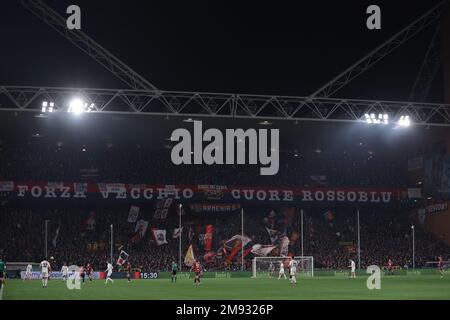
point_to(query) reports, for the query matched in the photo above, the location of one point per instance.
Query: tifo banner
(212, 192)
(133, 214)
(199, 193)
(208, 237)
(159, 236)
(217, 207)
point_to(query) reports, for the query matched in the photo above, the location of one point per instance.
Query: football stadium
(113, 187)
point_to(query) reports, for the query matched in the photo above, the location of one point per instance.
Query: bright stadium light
(77, 106)
(47, 106)
(376, 119)
(404, 121)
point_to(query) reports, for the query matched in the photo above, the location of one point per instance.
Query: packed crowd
(77, 236)
(384, 234)
(138, 165)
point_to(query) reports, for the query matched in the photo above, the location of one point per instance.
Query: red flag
(210, 255)
(234, 252)
(235, 245)
(208, 237)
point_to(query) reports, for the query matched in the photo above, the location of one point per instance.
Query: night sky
(259, 47)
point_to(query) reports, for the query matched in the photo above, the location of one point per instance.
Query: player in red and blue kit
(390, 267)
(129, 271)
(197, 270)
(82, 273)
(90, 271)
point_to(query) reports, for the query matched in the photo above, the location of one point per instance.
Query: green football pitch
(394, 287)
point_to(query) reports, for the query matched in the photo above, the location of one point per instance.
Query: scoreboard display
(148, 275)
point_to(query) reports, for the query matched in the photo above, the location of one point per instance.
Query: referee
(2, 272)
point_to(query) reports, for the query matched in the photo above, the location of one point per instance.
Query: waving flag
(234, 246)
(273, 234)
(141, 227)
(189, 258)
(209, 256)
(160, 236)
(191, 234)
(284, 246)
(328, 215)
(262, 250)
(123, 256)
(162, 208)
(56, 236)
(89, 224)
(177, 232)
(133, 214)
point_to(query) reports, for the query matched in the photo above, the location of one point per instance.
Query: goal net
(270, 266)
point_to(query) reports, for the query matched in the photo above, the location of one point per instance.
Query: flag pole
(242, 239)
(179, 237)
(359, 241)
(46, 238)
(112, 239)
(301, 229)
(413, 249)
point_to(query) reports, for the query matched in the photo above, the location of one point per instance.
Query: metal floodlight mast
(428, 70)
(88, 45)
(380, 52)
(201, 104)
(145, 99)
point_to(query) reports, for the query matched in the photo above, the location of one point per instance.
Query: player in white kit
(281, 272)
(108, 271)
(271, 269)
(45, 272)
(28, 272)
(65, 271)
(293, 270)
(352, 266)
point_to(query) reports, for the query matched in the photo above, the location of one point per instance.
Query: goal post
(264, 267)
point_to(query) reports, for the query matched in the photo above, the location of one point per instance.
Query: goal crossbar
(271, 265)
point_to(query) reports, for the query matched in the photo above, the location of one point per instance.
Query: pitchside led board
(56, 275)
